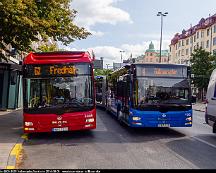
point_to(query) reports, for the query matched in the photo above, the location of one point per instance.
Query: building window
(182, 42)
(197, 34)
(208, 32)
(191, 49)
(187, 51)
(191, 40)
(176, 47)
(214, 41)
(187, 41)
(214, 28)
(202, 44)
(150, 54)
(179, 52)
(182, 52)
(150, 59)
(202, 34)
(207, 44)
(179, 45)
(194, 38)
(198, 46)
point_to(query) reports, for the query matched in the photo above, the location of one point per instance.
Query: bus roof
(58, 57)
(160, 64)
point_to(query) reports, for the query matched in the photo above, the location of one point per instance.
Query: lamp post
(162, 15)
(107, 65)
(121, 51)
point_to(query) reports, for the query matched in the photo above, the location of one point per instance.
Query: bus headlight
(90, 120)
(28, 123)
(189, 119)
(136, 118)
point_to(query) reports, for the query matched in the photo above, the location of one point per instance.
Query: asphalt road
(113, 146)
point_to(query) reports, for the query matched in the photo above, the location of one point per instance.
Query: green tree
(22, 21)
(48, 48)
(202, 66)
(102, 72)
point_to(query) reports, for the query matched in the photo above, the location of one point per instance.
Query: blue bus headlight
(136, 118)
(189, 119)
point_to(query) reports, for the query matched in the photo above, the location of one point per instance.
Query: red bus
(58, 89)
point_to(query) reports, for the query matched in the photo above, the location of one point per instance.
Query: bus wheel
(214, 128)
(206, 119)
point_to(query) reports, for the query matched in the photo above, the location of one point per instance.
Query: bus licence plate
(163, 125)
(60, 129)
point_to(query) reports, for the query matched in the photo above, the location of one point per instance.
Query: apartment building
(201, 35)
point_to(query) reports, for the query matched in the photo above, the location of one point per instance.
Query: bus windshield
(69, 93)
(157, 91)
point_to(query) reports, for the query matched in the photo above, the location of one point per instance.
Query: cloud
(92, 12)
(112, 54)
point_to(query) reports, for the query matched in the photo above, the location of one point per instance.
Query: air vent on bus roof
(60, 54)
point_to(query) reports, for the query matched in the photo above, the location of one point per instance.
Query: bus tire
(206, 119)
(117, 115)
(214, 128)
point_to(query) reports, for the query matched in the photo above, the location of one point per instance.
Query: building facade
(153, 56)
(201, 35)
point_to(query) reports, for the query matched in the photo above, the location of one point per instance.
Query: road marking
(204, 142)
(14, 156)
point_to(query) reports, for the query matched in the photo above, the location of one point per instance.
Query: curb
(199, 110)
(15, 152)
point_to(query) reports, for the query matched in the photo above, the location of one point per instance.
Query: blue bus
(151, 95)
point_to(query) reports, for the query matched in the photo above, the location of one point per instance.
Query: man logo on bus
(37, 71)
(164, 115)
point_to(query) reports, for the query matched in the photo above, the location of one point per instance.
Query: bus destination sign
(56, 70)
(52, 70)
(154, 71)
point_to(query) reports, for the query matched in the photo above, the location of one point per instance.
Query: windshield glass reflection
(148, 91)
(59, 92)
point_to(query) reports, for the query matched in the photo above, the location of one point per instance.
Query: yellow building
(153, 56)
(201, 35)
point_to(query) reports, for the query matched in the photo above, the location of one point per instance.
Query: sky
(130, 25)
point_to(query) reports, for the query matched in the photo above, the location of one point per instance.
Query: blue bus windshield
(155, 91)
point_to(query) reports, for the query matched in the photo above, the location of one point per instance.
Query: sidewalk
(10, 133)
(199, 107)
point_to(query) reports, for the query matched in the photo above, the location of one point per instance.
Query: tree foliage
(202, 66)
(22, 21)
(102, 72)
(48, 48)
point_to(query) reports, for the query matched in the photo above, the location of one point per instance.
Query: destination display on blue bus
(56, 70)
(161, 71)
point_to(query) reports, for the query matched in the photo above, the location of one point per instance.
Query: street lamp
(121, 51)
(162, 15)
(107, 65)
